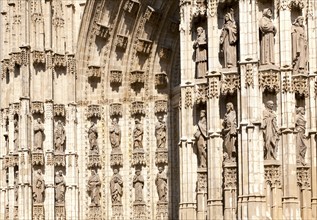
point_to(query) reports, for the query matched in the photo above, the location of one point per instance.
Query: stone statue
(160, 133)
(38, 135)
(201, 139)
(92, 137)
(38, 187)
(59, 138)
(116, 185)
(230, 132)
(300, 127)
(228, 40)
(60, 188)
(93, 187)
(299, 45)
(115, 134)
(138, 135)
(161, 184)
(16, 135)
(267, 33)
(200, 46)
(138, 183)
(16, 187)
(270, 132)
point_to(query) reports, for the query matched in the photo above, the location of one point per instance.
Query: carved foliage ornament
(38, 57)
(303, 177)
(297, 4)
(59, 110)
(230, 177)
(137, 76)
(188, 97)
(71, 64)
(101, 30)
(287, 87)
(59, 60)
(249, 81)
(201, 93)
(160, 106)
(115, 76)
(25, 55)
(300, 85)
(213, 87)
(230, 84)
(200, 8)
(269, 80)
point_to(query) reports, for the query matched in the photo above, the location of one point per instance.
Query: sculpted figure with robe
(93, 187)
(138, 184)
(300, 127)
(230, 132)
(93, 139)
(200, 46)
(38, 187)
(138, 135)
(161, 184)
(201, 139)
(38, 135)
(299, 46)
(16, 135)
(59, 138)
(60, 188)
(116, 185)
(115, 134)
(160, 133)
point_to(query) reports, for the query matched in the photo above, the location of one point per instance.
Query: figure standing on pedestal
(200, 46)
(93, 187)
(38, 135)
(201, 139)
(16, 135)
(161, 184)
(228, 40)
(59, 138)
(300, 127)
(160, 133)
(138, 135)
(299, 46)
(267, 33)
(230, 132)
(60, 188)
(270, 132)
(38, 187)
(138, 183)
(116, 185)
(16, 187)
(115, 134)
(93, 136)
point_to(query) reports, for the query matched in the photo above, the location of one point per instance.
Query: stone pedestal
(162, 211)
(161, 156)
(138, 157)
(139, 211)
(60, 212)
(59, 160)
(38, 212)
(93, 161)
(230, 190)
(116, 158)
(117, 212)
(95, 213)
(202, 194)
(37, 158)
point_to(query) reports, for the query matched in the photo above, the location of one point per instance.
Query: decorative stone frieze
(16, 58)
(59, 60)
(94, 161)
(304, 177)
(94, 71)
(300, 85)
(116, 158)
(94, 111)
(59, 110)
(269, 79)
(37, 158)
(144, 46)
(137, 108)
(201, 93)
(161, 79)
(131, 5)
(115, 76)
(230, 176)
(38, 212)
(137, 76)
(101, 30)
(287, 86)
(59, 160)
(161, 156)
(37, 107)
(122, 41)
(160, 106)
(115, 109)
(213, 82)
(38, 57)
(138, 157)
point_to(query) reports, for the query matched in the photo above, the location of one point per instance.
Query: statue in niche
(116, 186)
(201, 139)
(300, 127)
(16, 135)
(93, 187)
(161, 184)
(16, 187)
(115, 135)
(92, 137)
(38, 187)
(228, 40)
(160, 133)
(299, 46)
(267, 33)
(138, 183)
(200, 46)
(230, 132)
(38, 135)
(60, 187)
(59, 138)
(270, 132)
(138, 135)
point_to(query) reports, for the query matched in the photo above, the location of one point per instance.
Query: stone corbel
(200, 8)
(300, 85)
(115, 109)
(116, 158)
(38, 211)
(144, 46)
(201, 93)
(94, 71)
(161, 79)
(59, 60)
(37, 107)
(59, 110)
(137, 76)
(59, 160)
(94, 161)
(38, 57)
(131, 5)
(161, 156)
(101, 30)
(273, 174)
(303, 177)
(122, 41)
(148, 12)
(116, 76)
(37, 158)
(6, 67)
(137, 108)
(160, 106)
(93, 111)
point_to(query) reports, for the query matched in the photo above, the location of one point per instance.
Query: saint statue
(270, 132)
(60, 188)
(116, 185)
(161, 184)
(160, 133)
(59, 138)
(138, 183)
(230, 132)
(299, 46)
(228, 40)
(200, 46)
(138, 135)
(267, 33)
(38, 135)
(115, 134)
(93, 187)
(16, 135)
(201, 139)
(38, 187)
(93, 136)
(300, 127)
(16, 187)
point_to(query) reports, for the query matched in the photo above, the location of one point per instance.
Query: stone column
(3, 171)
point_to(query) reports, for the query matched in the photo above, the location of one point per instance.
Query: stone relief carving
(201, 139)
(138, 135)
(201, 93)
(228, 40)
(270, 132)
(16, 140)
(267, 33)
(201, 8)
(300, 85)
(38, 129)
(115, 135)
(59, 138)
(93, 188)
(230, 133)
(93, 139)
(138, 184)
(60, 187)
(160, 133)
(300, 127)
(116, 186)
(38, 187)
(272, 175)
(299, 46)
(200, 46)
(161, 185)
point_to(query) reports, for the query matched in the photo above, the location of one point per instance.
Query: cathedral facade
(158, 109)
